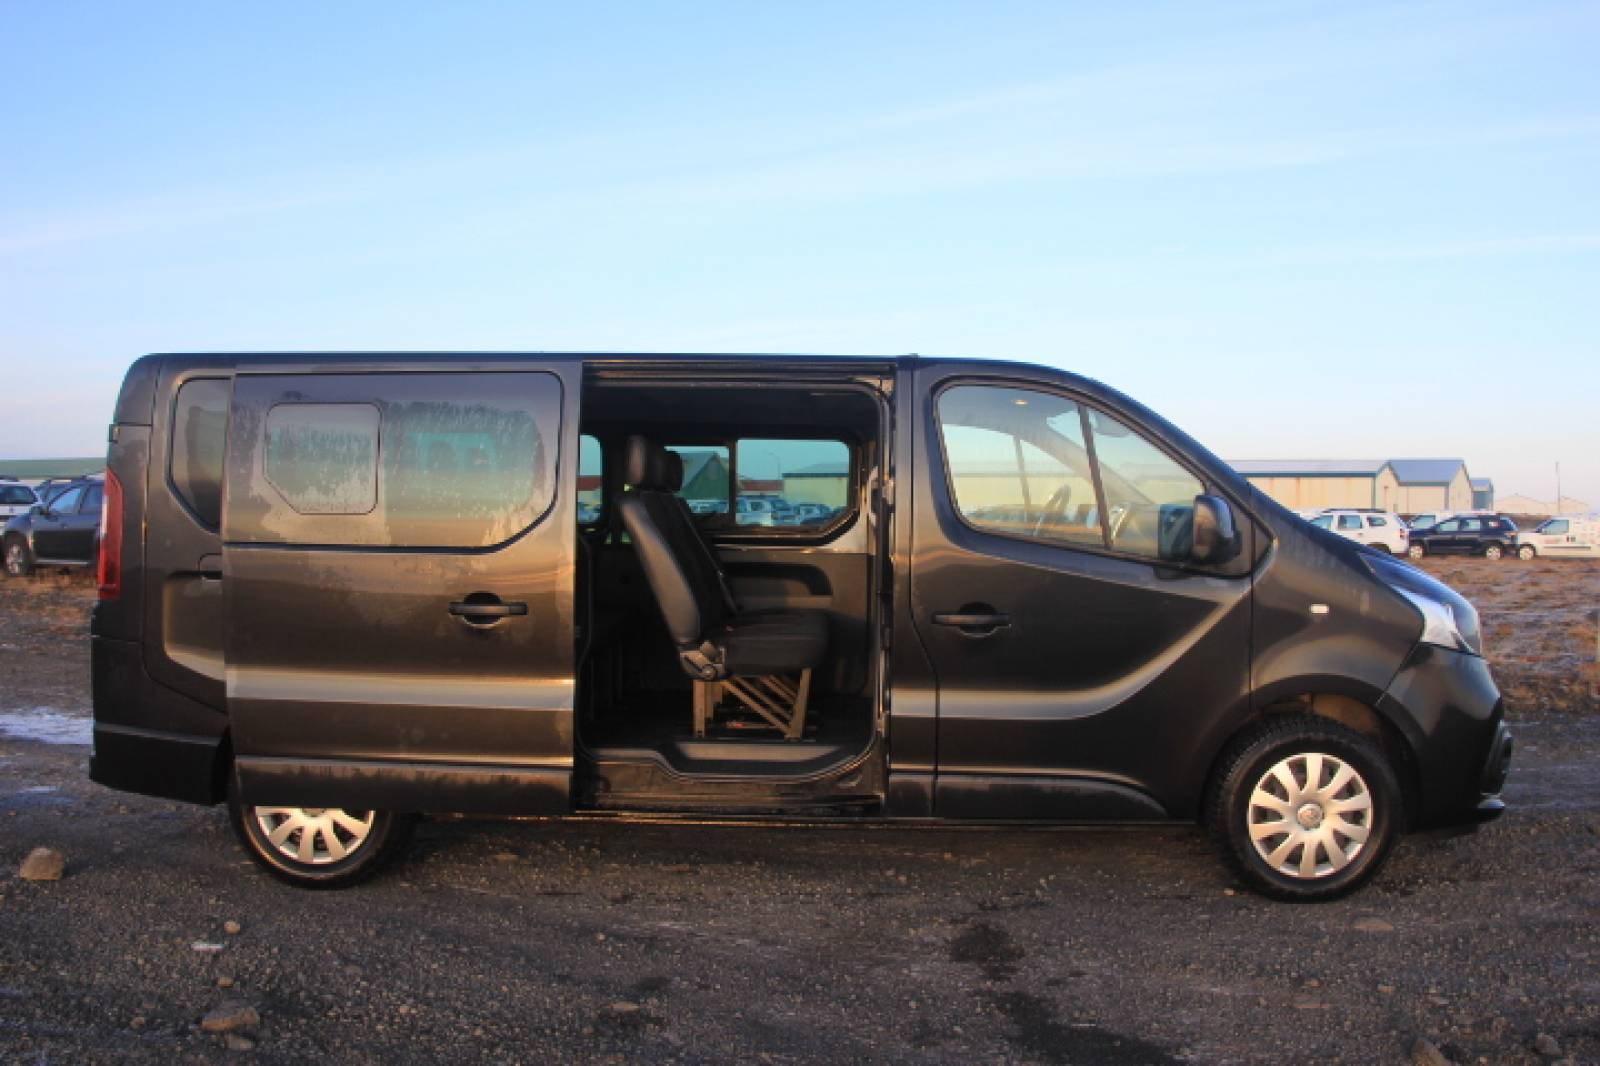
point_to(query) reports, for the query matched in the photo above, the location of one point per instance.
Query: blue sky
(1333, 230)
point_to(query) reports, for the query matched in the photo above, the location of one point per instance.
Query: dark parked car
(1038, 602)
(63, 531)
(1488, 535)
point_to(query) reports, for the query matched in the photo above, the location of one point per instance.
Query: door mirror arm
(1216, 535)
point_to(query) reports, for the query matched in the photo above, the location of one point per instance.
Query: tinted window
(1452, 525)
(1323, 521)
(66, 502)
(705, 477)
(1377, 520)
(323, 457)
(591, 472)
(15, 494)
(1349, 521)
(92, 497)
(402, 460)
(1149, 497)
(1018, 464)
(1471, 525)
(199, 435)
(805, 482)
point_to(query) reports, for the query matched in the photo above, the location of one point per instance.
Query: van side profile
(341, 590)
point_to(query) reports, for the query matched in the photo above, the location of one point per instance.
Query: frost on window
(323, 457)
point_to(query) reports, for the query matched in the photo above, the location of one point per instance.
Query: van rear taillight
(110, 567)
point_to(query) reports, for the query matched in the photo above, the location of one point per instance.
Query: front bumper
(1448, 706)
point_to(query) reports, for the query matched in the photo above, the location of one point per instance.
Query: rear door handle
(479, 613)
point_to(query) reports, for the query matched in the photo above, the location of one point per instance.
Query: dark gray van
(341, 590)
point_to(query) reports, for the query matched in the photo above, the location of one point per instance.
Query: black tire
(1245, 770)
(384, 840)
(18, 559)
(1493, 552)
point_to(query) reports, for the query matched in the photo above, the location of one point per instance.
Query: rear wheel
(1492, 552)
(1416, 551)
(19, 560)
(1526, 552)
(318, 847)
(1304, 808)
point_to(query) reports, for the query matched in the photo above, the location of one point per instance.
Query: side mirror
(1216, 538)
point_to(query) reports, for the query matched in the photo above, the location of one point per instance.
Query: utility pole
(1558, 488)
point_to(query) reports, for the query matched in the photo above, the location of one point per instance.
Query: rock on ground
(43, 864)
(230, 1017)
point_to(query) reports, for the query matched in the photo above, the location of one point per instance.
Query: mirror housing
(1216, 536)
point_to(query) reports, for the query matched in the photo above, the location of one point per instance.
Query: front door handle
(974, 620)
(480, 609)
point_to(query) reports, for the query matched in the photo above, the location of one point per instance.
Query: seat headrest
(640, 467)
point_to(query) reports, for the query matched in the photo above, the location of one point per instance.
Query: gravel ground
(596, 941)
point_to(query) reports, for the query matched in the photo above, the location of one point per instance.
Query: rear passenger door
(398, 557)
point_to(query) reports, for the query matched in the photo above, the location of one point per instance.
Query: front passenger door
(1080, 661)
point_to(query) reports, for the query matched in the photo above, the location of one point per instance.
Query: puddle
(47, 726)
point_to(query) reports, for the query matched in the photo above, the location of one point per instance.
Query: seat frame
(773, 697)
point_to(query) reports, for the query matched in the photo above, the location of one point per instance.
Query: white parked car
(1562, 537)
(1381, 529)
(15, 499)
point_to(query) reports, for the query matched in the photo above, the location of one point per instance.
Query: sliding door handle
(485, 612)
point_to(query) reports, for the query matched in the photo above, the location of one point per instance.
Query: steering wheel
(1055, 508)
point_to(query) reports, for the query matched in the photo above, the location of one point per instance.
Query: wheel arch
(1357, 713)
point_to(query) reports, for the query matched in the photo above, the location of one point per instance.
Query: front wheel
(19, 560)
(1492, 552)
(1304, 808)
(1526, 552)
(318, 847)
(1416, 551)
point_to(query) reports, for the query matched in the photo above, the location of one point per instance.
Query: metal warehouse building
(1408, 486)
(1304, 484)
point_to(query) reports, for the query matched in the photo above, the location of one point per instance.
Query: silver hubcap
(1310, 815)
(1493, 553)
(1525, 553)
(14, 558)
(315, 836)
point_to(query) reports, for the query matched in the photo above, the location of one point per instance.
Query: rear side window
(803, 483)
(1349, 521)
(15, 494)
(1377, 520)
(322, 458)
(706, 471)
(199, 437)
(591, 483)
(399, 460)
(1323, 521)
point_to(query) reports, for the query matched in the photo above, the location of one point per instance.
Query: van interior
(728, 592)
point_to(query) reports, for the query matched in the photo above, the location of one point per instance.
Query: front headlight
(1440, 625)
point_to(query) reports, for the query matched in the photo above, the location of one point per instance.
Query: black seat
(744, 653)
